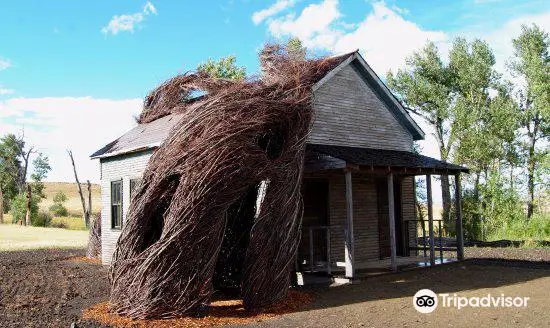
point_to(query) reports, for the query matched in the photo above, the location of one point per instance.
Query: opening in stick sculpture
(193, 225)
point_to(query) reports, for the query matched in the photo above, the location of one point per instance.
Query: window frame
(119, 204)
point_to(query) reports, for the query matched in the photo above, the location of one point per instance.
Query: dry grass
(15, 237)
(223, 312)
(71, 223)
(73, 203)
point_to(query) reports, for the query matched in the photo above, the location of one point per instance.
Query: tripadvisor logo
(426, 301)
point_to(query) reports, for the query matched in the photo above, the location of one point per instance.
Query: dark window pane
(116, 204)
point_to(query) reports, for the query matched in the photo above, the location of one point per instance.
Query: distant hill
(73, 203)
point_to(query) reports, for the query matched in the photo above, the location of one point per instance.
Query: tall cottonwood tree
(426, 87)
(531, 63)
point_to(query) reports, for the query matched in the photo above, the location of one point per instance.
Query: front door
(315, 195)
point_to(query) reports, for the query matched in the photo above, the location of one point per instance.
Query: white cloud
(83, 124)
(312, 26)
(277, 7)
(128, 22)
(500, 40)
(384, 37)
(5, 91)
(4, 64)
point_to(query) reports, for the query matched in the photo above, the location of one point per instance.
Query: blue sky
(73, 73)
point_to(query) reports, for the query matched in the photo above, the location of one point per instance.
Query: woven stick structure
(193, 223)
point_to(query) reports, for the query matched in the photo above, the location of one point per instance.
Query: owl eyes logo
(425, 301)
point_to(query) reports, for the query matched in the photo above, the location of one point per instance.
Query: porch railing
(440, 244)
(326, 266)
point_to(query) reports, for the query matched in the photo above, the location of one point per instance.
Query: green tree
(295, 49)
(41, 166)
(426, 87)
(58, 207)
(224, 68)
(10, 168)
(531, 63)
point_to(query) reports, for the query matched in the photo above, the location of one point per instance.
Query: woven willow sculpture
(193, 222)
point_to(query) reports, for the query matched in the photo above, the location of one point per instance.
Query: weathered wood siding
(366, 214)
(408, 194)
(123, 168)
(349, 113)
(365, 217)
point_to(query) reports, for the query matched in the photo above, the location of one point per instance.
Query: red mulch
(84, 259)
(226, 312)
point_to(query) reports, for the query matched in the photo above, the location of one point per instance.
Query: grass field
(73, 203)
(15, 237)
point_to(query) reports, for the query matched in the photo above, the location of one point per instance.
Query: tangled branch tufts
(193, 219)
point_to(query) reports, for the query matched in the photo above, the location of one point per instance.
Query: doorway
(313, 245)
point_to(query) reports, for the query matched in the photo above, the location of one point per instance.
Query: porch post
(458, 206)
(391, 207)
(350, 271)
(430, 218)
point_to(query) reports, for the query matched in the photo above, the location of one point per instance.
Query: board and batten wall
(349, 113)
(125, 168)
(365, 216)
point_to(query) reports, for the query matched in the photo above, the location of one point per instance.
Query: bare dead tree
(85, 211)
(89, 198)
(29, 197)
(25, 167)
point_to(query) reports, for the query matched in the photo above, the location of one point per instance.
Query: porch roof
(321, 157)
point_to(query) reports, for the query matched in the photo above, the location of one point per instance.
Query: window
(134, 183)
(116, 204)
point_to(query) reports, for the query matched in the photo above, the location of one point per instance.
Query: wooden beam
(349, 252)
(391, 207)
(430, 218)
(459, 232)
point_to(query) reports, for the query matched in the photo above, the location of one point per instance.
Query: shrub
(59, 224)
(59, 197)
(43, 219)
(18, 209)
(58, 209)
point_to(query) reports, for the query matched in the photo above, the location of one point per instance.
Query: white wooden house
(359, 190)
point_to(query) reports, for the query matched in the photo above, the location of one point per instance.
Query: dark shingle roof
(144, 136)
(383, 158)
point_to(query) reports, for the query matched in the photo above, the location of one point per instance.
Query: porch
(359, 213)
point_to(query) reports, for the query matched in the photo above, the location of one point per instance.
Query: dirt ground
(45, 288)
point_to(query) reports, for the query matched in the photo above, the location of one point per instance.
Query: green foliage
(531, 63)
(60, 197)
(18, 209)
(58, 208)
(535, 229)
(43, 219)
(41, 168)
(10, 167)
(224, 67)
(295, 48)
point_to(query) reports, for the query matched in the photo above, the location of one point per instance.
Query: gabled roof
(142, 137)
(150, 135)
(375, 83)
(378, 158)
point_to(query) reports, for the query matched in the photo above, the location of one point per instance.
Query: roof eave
(127, 151)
